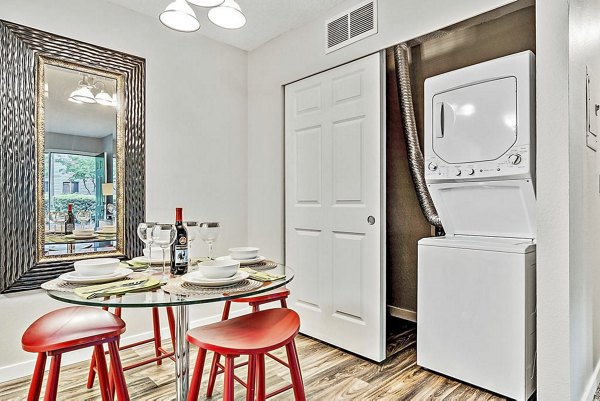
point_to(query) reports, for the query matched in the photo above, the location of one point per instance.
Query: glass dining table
(180, 303)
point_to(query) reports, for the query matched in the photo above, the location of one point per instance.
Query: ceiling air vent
(351, 26)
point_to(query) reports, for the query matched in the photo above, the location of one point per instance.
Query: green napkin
(117, 288)
(130, 264)
(262, 276)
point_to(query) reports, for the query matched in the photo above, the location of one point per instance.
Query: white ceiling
(266, 19)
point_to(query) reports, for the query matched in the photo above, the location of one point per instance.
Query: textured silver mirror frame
(20, 48)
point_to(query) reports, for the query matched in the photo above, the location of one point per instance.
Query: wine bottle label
(69, 227)
(181, 255)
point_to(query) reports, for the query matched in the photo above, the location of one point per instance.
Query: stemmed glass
(83, 216)
(209, 233)
(164, 235)
(144, 231)
(51, 221)
(192, 230)
(59, 219)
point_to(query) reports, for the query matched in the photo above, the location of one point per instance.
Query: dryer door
(476, 122)
(492, 208)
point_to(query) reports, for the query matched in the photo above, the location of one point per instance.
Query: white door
(335, 213)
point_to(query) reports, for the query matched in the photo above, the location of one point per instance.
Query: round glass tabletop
(159, 297)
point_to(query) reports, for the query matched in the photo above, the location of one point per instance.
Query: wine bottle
(179, 249)
(70, 220)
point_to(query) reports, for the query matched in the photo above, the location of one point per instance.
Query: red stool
(253, 335)
(159, 352)
(70, 329)
(217, 368)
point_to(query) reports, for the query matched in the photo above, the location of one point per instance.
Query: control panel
(514, 164)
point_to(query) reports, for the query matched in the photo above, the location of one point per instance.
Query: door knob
(371, 220)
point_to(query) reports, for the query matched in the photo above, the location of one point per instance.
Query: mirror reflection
(80, 161)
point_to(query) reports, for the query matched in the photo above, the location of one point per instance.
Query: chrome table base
(182, 352)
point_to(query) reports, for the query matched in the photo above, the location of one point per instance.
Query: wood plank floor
(329, 374)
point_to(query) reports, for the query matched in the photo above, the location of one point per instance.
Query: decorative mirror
(71, 154)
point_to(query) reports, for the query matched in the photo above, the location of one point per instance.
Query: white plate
(153, 261)
(197, 278)
(76, 278)
(87, 236)
(102, 232)
(244, 262)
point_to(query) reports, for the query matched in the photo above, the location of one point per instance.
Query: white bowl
(96, 267)
(219, 268)
(243, 252)
(83, 231)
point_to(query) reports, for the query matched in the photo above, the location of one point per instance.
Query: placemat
(180, 287)
(264, 265)
(59, 284)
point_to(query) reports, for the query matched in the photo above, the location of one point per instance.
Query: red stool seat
(70, 329)
(253, 335)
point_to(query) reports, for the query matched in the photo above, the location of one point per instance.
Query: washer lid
(476, 122)
(490, 208)
(510, 245)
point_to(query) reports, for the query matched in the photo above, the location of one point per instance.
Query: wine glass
(144, 231)
(59, 219)
(164, 235)
(83, 216)
(51, 221)
(192, 230)
(209, 233)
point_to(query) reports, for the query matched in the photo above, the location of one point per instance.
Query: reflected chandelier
(84, 93)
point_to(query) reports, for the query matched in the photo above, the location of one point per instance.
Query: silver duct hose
(415, 157)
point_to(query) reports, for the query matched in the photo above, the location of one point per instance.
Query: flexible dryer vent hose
(415, 157)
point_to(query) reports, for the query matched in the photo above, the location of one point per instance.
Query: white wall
(567, 183)
(568, 39)
(196, 114)
(300, 53)
(584, 204)
(553, 367)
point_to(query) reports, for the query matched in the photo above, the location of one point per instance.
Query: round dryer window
(475, 123)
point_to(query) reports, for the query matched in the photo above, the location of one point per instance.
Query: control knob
(457, 172)
(470, 171)
(515, 158)
(432, 166)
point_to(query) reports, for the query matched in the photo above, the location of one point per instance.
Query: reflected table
(181, 303)
(56, 243)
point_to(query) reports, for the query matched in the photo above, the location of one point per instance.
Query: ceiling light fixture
(228, 15)
(84, 93)
(206, 3)
(179, 16)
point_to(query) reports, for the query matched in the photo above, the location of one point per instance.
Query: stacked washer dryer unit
(476, 285)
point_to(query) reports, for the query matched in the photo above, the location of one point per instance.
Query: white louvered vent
(351, 26)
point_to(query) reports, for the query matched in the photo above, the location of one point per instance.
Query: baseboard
(25, 368)
(592, 385)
